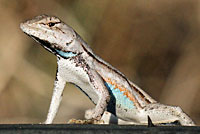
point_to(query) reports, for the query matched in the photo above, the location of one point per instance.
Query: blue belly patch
(118, 98)
(66, 54)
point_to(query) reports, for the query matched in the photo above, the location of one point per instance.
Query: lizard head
(53, 34)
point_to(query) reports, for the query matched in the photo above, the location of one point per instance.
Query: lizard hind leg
(160, 114)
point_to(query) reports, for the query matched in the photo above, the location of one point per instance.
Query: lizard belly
(77, 76)
(120, 105)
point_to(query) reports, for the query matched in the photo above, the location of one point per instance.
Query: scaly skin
(108, 88)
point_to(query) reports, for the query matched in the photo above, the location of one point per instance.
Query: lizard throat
(53, 49)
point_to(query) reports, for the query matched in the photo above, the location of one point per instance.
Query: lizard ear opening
(73, 37)
(68, 43)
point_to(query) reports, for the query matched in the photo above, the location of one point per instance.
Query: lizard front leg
(59, 85)
(97, 84)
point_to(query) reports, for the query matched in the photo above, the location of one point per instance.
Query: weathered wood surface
(93, 129)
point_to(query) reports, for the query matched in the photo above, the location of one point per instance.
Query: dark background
(154, 43)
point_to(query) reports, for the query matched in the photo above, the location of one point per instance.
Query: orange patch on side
(126, 92)
(141, 95)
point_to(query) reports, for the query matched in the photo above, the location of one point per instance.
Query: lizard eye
(51, 24)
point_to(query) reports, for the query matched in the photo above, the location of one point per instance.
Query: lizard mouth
(47, 45)
(54, 48)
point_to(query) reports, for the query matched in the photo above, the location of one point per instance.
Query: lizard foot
(91, 114)
(75, 121)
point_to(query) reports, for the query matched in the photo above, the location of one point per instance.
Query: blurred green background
(154, 43)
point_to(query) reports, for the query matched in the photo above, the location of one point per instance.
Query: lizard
(109, 89)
